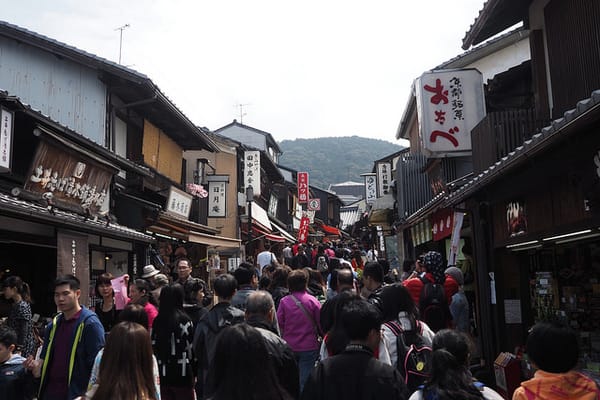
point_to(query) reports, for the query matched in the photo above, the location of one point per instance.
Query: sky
(315, 68)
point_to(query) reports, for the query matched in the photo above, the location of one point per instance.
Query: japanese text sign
(6, 134)
(302, 187)
(303, 231)
(179, 203)
(217, 206)
(384, 178)
(442, 222)
(252, 170)
(370, 188)
(450, 103)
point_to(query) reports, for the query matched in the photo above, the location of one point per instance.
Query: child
(15, 381)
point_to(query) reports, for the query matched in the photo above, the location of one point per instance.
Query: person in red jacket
(430, 267)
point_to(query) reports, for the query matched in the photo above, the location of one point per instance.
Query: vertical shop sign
(302, 187)
(273, 204)
(370, 188)
(449, 105)
(303, 231)
(252, 170)
(455, 239)
(6, 135)
(73, 258)
(384, 178)
(217, 204)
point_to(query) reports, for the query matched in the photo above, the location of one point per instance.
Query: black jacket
(354, 375)
(282, 356)
(220, 316)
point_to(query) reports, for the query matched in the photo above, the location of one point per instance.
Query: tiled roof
(15, 206)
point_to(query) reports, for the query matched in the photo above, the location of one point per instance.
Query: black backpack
(433, 307)
(414, 355)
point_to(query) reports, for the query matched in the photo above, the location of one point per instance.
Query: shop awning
(282, 231)
(212, 240)
(330, 230)
(12, 206)
(258, 233)
(260, 217)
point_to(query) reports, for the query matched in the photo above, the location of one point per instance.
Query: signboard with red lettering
(303, 231)
(302, 187)
(449, 105)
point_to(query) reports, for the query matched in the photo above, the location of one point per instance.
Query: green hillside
(334, 159)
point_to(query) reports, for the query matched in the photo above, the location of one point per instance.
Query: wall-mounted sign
(442, 222)
(314, 204)
(217, 204)
(273, 204)
(73, 258)
(6, 136)
(252, 170)
(516, 219)
(384, 178)
(68, 178)
(449, 105)
(179, 203)
(303, 187)
(370, 188)
(303, 231)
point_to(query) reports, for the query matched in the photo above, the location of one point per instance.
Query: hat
(161, 279)
(455, 273)
(149, 271)
(434, 263)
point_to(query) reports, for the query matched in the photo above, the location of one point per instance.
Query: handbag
(312, 320)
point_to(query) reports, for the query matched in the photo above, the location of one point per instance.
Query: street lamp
(249, 200)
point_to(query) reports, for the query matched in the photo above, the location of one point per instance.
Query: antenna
(242, 113)
(121, 28)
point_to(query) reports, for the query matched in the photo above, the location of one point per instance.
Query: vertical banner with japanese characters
(217, 205)
(303, 231)
(370, 188)
(252, 170)
(6, 135)
(449, 105)
(455, 238)
(73, 258)
(384, 178)
(302, 187)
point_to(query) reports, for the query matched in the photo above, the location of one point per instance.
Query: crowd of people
(328, 322)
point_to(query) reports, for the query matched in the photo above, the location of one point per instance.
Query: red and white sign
(314, 204)
(449, 105)
(441, 223)
(303, 231)
(302, 187)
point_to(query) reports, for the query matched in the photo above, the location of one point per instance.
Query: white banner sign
(179, 203)
(455, 238)
(252, 170)
(449, 104)
(273, 204)
(217, 204)
(370, 188)
(6, 134)
(384, 178)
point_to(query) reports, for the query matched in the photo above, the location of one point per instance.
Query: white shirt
(264, 258)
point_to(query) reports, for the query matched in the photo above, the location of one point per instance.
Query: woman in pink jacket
(298, 317)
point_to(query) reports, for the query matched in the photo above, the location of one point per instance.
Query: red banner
(303, 230)
(441, 223)
(302, 187)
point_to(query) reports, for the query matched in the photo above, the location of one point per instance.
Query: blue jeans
(306, 362)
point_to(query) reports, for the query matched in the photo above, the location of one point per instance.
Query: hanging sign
(449, 105)
(314, 204)
(441, 222)
(252, 170)
(6, 138)
(384, 178)
(303, 231)
(370, 188)
(217, 204)
(302, 187)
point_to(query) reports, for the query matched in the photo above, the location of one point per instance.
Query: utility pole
(121, 28)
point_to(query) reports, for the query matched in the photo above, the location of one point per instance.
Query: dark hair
(337, 338)
(243, 276)
(450, 377)
(169, 319)
(385, 265)
(189, 262)
(408, 265)
(134, 313)
(259, 302)
(297, 280)
(104, 279)
(553, 347)
(8, 336)
(374, 270)
(344, 276)
(394, 299)
(22, 287)
(280, 276)
(359, 318)
(71, 280)
(225, 285)
(126, 367)
(144, 287)
(243, 368)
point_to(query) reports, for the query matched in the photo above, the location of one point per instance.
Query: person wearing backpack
(450, 375)
(407, 339)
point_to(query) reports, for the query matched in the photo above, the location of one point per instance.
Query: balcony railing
(501, 132)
